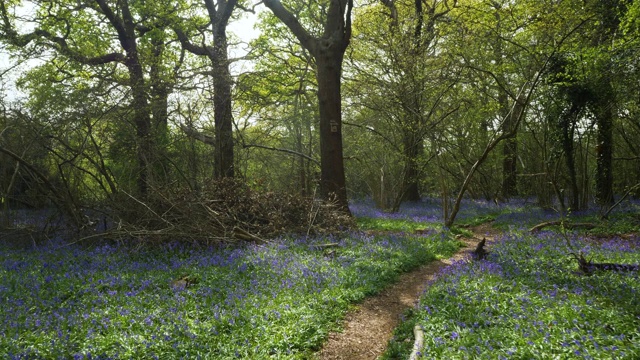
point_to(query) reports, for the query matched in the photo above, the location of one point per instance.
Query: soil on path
(367, 330)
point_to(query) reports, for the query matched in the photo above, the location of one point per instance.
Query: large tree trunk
(332, 180)
(223, 117)
(140, 105)
(328, 51)
(219, 14)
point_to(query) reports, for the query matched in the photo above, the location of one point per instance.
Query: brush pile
(224, 211)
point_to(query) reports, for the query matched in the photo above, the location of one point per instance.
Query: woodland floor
(368, 329)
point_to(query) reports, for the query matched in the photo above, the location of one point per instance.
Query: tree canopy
(135, 102)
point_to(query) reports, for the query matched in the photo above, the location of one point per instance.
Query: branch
(306, 40)
(56, 42)
(200, 136)
(241, 234)
(188, 45)
(36, 173)
(287, 151)
(564, 224)
(117, 23)
(534, 83)
(226, 9)
(418, 344)
(389, 4)
(347, 33)
(606, 214)
(246, 9)
(391, 142)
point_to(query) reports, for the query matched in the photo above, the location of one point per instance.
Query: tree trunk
(604, 114)
(223, 117)
(328, 52)
(142, 119)
(332, 178)
(567, 123)
(510, 154)
(510, 168)
(413, 149)
(159, 114)
(219, 14)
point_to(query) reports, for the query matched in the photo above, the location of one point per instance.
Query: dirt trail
(367, 329)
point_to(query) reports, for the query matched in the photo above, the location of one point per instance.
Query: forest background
(132, 120)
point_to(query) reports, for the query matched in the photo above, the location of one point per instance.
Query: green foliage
(381, 224)
(279, 95)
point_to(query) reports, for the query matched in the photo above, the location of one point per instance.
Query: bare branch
(197, 135)
(287, 151)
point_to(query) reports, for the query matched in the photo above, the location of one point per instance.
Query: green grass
(410, 226)
(394, 225)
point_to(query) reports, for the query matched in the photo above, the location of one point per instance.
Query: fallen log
(588, 267)
(543, 225)
(418, 343)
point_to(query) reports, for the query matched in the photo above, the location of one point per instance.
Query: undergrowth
(528, 300)
(251, 302)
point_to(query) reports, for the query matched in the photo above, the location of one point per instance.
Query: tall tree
(219, 13)
(328, 51)
(608, 14)
(590, 69)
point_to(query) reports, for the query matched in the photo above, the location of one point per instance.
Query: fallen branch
(565, 224)
(325, 246)
(418, 344)
(587, 267)
(145, 234)
(244, 235)
(286, 151)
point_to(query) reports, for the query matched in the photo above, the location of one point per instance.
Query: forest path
(367, 329)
